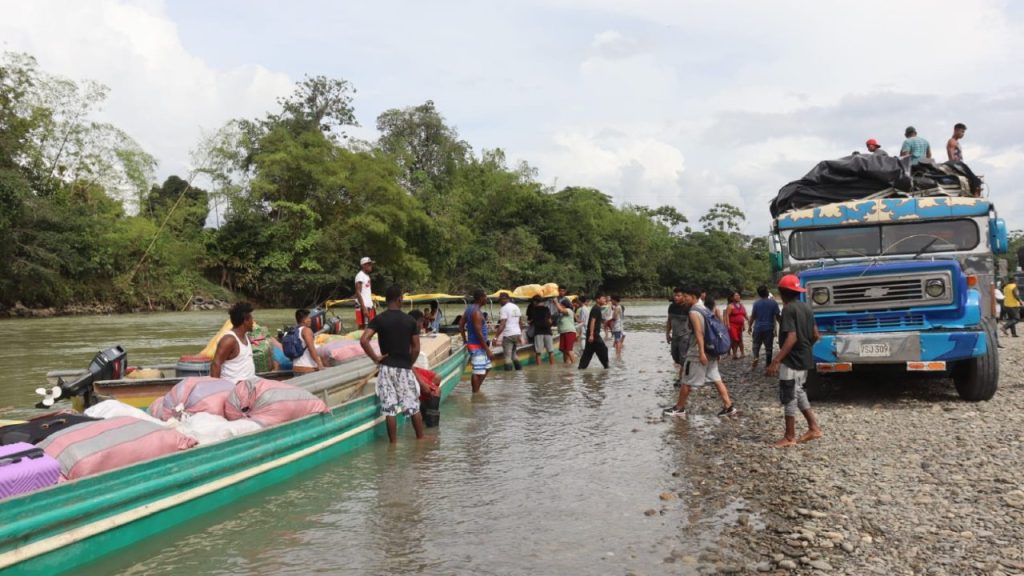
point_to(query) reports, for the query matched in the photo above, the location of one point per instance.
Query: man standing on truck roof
(233, 358)
(874, 147)
(364, 294)
(953, 144)
(914, 146)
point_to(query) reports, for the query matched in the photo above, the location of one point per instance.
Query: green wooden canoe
(68, 525)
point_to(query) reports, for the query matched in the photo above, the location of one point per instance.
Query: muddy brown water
(548, 471)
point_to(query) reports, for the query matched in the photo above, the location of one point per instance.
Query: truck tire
(976, 379)
(817, 386)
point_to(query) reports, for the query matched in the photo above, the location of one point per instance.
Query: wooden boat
(63, 527)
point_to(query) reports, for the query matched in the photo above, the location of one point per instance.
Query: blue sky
(673, 102)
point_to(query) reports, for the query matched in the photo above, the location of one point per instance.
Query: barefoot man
(398, 337)
(797, 335)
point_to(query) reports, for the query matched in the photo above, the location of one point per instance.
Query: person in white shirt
(365, 310)
(310, 360)
(233, 358)
(510, 330)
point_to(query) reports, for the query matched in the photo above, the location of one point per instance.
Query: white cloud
(161, 94)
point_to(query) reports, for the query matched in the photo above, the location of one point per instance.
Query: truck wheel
(976, 379)
(817, 386)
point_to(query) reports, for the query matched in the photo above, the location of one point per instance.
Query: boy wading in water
(797, 334)
(698, 368)
(398, 336)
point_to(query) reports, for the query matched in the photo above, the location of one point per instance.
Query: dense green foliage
(300, 203)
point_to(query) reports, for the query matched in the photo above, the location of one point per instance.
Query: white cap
(365, 260)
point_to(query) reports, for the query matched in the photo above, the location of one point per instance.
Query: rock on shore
(909, 479)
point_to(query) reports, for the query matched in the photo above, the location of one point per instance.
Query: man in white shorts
(698, 368)
(398, 338)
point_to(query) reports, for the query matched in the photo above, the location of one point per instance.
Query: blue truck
(899, 284)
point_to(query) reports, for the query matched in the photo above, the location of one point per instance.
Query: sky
(655, 102)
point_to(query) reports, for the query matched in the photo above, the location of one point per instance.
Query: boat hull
(63, 527)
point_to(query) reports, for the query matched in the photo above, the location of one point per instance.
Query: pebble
(650, 512)
(907, 480)
(666, 496)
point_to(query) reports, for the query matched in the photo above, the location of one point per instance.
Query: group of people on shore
(686, 333)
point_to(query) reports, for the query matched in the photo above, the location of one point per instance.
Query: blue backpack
(716, 335)
(292, 343)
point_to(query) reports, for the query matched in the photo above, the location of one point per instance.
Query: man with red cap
(797, 335)
(874, 147)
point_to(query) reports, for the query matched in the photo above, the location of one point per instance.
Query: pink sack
(95, 447)
(191, 395)
(269, 402)
(339, 351)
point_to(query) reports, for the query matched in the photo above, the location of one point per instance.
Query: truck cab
(899, 283)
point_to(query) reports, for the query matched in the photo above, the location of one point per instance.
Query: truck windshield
(854, 241)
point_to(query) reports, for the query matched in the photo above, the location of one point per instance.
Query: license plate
(878, 350)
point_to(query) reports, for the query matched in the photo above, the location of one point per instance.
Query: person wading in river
(510, 330)
(233, 358)
(398, 337)
(593, 342)
(676, 331)
(797, 335)
(566, 326)
(474, 333)
(365, 310)
(698, 368)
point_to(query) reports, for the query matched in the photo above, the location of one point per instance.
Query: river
(549, 470)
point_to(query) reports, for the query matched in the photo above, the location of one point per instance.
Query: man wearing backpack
(699, 368)
(299, 346)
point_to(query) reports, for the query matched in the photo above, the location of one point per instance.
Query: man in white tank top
(233, 359)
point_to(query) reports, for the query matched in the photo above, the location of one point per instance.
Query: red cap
(872, 142)
(791, 282)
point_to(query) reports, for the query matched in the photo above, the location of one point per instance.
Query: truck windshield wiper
(925, 248)
(827, 251)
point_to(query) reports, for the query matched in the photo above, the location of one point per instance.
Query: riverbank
(908, 479)
(19, 310)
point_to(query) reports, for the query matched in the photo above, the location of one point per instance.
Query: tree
(426, 149)
(187, 206)
(723, 217)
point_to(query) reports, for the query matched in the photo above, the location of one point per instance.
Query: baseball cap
(872, 142)
(791, 282)
(365, 260)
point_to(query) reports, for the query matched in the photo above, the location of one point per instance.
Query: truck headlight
(820, 296)
(935, 288)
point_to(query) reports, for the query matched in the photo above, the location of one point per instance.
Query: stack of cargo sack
(337, 352)
(96, 447)
(197, 405)
(269, 402)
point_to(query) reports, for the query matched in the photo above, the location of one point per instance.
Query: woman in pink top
(737, 320)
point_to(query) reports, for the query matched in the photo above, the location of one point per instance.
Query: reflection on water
(549, 470)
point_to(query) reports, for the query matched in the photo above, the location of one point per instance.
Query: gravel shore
(909, 479)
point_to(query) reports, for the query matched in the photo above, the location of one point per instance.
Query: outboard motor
(316, 319)
(109, 364)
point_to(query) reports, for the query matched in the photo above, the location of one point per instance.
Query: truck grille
(907, 321)
(878, 291)
(883, 292)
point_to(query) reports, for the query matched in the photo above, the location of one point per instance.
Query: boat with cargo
(60, 528)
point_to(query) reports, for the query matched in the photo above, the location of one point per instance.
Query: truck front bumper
(900, 347)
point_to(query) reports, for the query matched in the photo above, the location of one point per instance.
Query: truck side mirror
(775, 259)
(997, 236)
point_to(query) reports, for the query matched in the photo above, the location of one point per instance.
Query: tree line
(297, 201)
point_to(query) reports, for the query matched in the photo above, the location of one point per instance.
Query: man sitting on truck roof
(914, 146)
